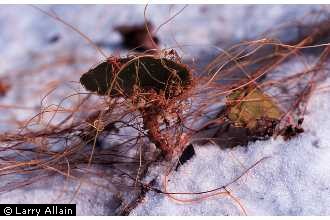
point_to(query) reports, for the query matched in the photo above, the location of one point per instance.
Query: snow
(293, 181)
(90, 198)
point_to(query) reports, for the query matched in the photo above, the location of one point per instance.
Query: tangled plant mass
(151, 85)
(150, 106)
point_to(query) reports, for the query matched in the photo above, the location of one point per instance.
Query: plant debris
(4, 87)
(250, 107)
(151, 84)
(186, 155)
(292, 130)
(54, 39)
(137, 37)
(249, 115)
(146, 73)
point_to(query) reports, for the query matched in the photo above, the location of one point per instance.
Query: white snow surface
(295, 180)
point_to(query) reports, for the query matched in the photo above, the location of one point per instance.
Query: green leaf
(146, 73)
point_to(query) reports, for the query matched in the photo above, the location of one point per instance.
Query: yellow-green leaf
(249, 104)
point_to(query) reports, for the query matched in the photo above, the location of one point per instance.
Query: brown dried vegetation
(161, 102)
